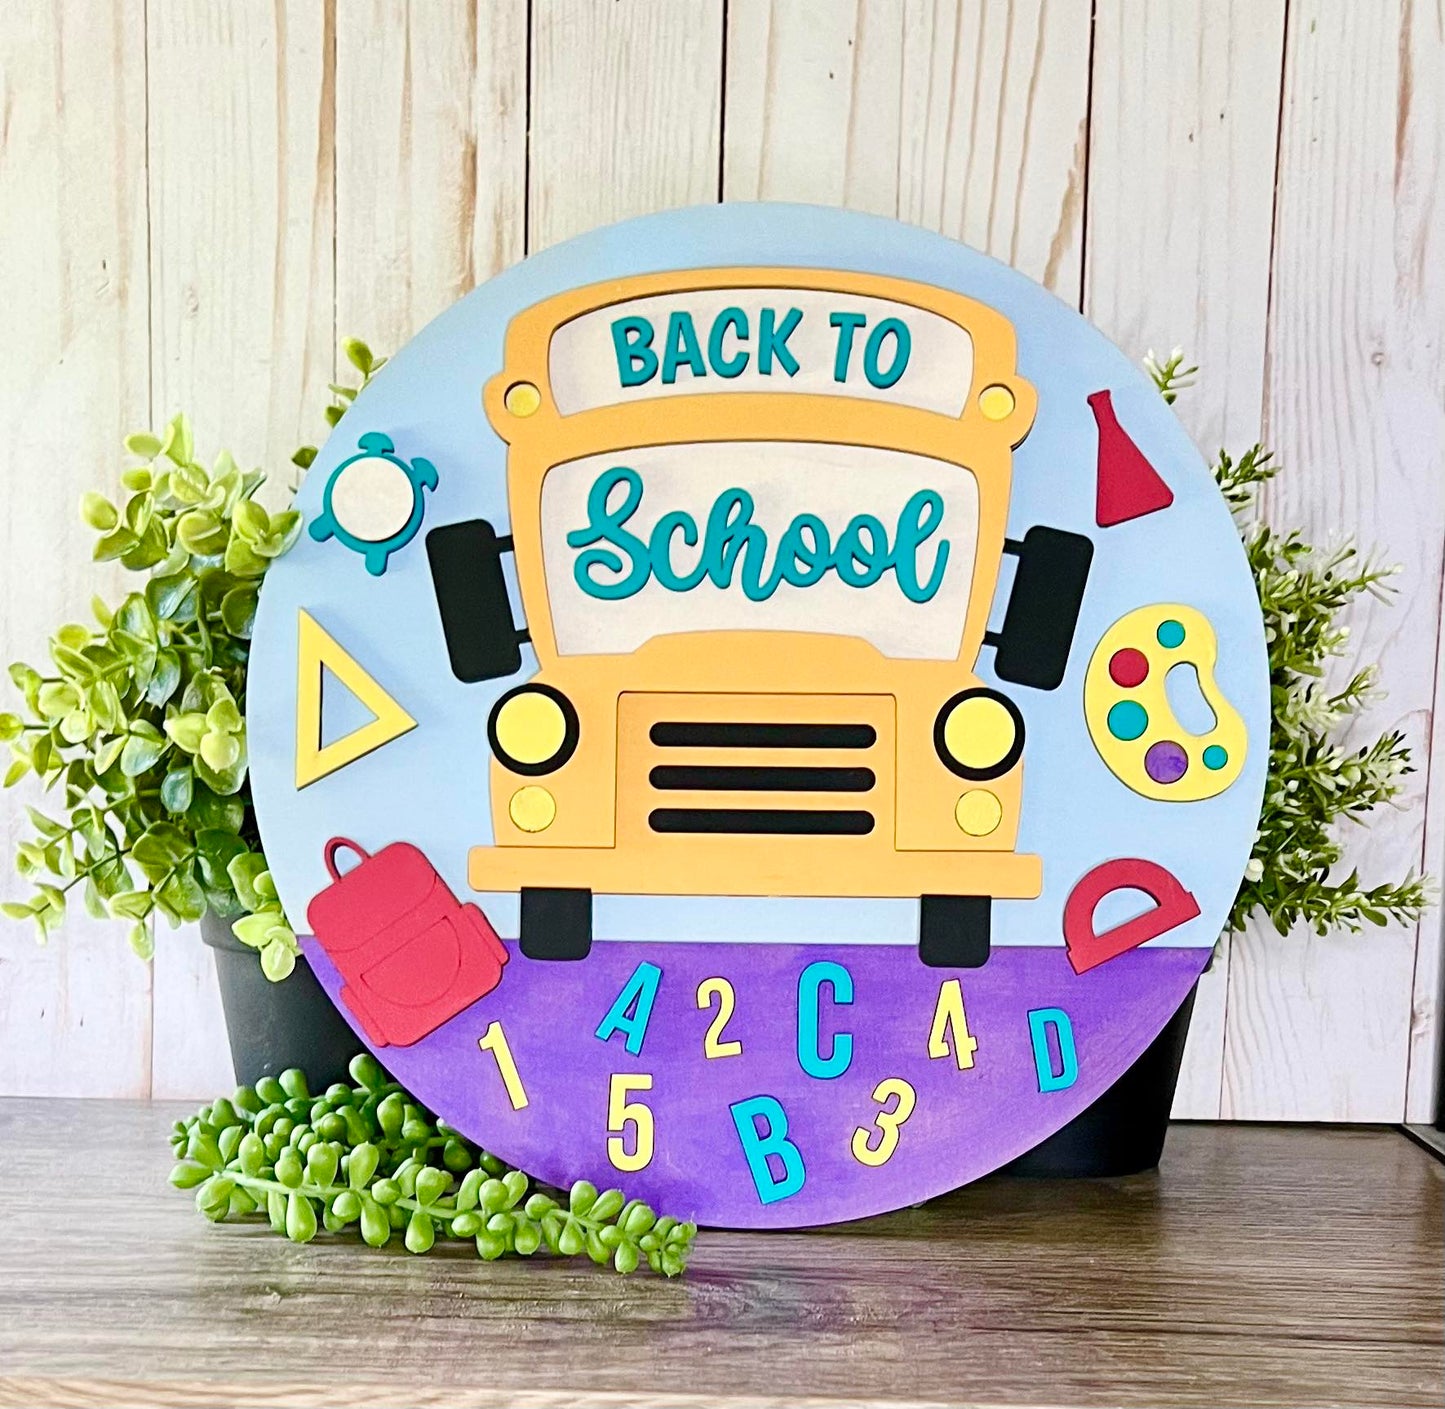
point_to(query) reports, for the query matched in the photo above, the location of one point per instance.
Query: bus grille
(779, 777)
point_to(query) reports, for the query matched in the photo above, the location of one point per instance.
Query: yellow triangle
(317, 653)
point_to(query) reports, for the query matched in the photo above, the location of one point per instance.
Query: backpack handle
(335, 845)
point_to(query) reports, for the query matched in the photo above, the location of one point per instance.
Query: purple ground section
(965, 1123)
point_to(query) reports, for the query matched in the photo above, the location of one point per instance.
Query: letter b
(771, 1141)
(632, 342)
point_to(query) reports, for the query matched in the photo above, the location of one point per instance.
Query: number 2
(621, 1113)
(494, 1040)
(890, 1088)
(712, 1044)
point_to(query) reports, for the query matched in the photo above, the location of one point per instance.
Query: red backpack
(412, 957)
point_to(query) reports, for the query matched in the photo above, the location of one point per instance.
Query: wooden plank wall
(198, 196)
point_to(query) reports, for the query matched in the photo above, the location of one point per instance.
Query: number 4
(950, 1020)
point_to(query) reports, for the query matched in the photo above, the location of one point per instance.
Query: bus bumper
(764, 865)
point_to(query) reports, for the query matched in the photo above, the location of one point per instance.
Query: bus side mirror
(466, 570)
(1043, 609)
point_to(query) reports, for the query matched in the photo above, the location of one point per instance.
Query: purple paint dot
(1166, 762)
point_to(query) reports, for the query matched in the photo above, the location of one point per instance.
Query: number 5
(620, 1114)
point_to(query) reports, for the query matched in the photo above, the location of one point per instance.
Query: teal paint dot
(1128, 719)
(1170, 634)
(1215, 757)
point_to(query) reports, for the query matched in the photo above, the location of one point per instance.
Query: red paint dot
(1128, 667)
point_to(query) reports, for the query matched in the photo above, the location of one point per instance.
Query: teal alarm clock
(374, 502)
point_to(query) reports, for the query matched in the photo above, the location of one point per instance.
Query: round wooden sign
(770, 710)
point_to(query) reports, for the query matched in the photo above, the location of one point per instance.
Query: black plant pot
(1123, 1131)
(272, 1026)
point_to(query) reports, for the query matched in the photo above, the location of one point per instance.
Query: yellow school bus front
(758, 518)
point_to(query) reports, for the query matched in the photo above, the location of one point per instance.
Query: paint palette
(1131, 720)
(725, 702)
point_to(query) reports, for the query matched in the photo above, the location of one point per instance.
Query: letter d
(1040, 1021)
(772, 1140)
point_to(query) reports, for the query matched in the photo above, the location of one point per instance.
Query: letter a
(638, 993)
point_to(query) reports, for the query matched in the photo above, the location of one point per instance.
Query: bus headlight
(533, 729)
(979, 734)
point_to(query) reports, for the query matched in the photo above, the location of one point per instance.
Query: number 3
(722, 990)
(890, 1088)
(620, 1113)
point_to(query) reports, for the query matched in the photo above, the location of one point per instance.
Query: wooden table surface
(1261, 1266)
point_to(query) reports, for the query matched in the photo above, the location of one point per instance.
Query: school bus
(758, 518)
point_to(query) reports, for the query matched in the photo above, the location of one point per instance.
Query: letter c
(734, 366)
(810, 1056)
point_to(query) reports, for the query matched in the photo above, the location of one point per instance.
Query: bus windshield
(760, 536)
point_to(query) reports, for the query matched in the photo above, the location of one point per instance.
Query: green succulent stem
(366, 1154)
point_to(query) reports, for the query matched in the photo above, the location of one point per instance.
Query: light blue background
(430, 787)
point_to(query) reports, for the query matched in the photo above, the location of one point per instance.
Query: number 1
(494, 1040)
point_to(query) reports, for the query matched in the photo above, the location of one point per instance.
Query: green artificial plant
(1316, 781)
(137, 724)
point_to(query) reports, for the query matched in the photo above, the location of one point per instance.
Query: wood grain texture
(1181, 194)
(1424, 1096)
(626, 102)
(969, 119)
(75, 1015)
(1420, 148)
(1182, 156)
(431, 139)
(1320, 1029)
(241, 174)
(1260, 1266)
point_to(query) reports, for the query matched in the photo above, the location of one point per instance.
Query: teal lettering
(632, 342)
(903, 345)
(1040, 1021)
(807, 561)
(681, 348)
(617, 563)
(771, 1140)
(638, 993)
(668, 526)
(735, 365)
(604, 524)
(730, 533)
(811, 1057)
(773, 341)
(859, 566)
(921, 515)
(847, 324)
